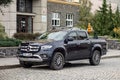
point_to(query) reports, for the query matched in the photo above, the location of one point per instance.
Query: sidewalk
(112, 54)
(6, 63)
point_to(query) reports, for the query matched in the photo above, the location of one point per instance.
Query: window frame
(25, 4)
(71, 36)
(82, 37)
(69, 20)
(55, 19)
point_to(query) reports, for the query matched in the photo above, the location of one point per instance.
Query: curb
(9, 66)
(108, 57)
(18, 65)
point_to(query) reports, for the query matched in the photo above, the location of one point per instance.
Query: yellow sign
(89, 29)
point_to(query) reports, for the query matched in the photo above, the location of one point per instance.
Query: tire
(25, 64)
(57, 61)
(95, 59)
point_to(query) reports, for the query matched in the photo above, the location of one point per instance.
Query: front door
(72, 47)
(24, 24)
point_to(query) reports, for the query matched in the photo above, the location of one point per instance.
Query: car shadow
(72, 65)
(67, 65)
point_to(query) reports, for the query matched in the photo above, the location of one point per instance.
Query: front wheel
(57, 61)
(95, 59)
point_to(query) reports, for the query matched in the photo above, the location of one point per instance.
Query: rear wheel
(95, 59)
(57, 61)
(25, 64)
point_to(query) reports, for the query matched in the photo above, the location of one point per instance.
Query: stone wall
(8, 51)
(113, 44)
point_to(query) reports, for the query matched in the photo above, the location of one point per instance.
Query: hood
(37, 42)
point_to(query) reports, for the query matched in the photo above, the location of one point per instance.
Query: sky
(98, 3)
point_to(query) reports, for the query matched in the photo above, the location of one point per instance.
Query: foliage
(100, 20)
(5, 2)
(85, 14)
(105, 20)
(117, 18)
(110, 21)
(26, 36)
(9, 42)
(2, 32)
(117, 32)
(5, 41)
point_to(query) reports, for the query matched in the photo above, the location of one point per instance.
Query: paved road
(109, 69)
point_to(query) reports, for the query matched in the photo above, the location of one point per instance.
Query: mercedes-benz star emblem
(28, 49)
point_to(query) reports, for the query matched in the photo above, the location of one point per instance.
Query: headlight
(46, 47)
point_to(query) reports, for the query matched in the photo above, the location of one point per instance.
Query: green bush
(9, 42)
(26, 36)
(2, 32)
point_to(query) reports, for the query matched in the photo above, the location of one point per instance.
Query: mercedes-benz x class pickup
(57, 48)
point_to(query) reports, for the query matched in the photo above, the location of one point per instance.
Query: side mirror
(68, 39)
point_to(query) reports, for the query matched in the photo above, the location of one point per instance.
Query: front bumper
(34, 58)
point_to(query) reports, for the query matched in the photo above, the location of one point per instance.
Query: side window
(82, 35)
(73, 35)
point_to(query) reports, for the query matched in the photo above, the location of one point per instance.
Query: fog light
(44, 56)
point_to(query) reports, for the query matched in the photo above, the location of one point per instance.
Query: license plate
(27, 54)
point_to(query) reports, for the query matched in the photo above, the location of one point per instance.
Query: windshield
(54, 35)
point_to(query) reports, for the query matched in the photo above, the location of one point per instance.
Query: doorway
(24, 24)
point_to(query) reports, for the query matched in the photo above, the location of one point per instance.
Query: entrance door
(24, 24)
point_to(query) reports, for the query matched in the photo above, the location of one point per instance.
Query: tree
(117, 18)
(110, 21)
(100, 20)
(2, 32)
(4, 3)
(103, 13)
(85, 14)
(2, 28)
(116, 23)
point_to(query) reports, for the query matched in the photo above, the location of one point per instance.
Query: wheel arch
(62, 50)
(97, 47)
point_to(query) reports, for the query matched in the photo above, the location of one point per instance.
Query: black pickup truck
(57, 48)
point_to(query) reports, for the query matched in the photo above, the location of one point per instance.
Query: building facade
(28, 16)
(38, 16)
(62, 13)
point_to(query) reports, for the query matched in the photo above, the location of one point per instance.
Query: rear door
(84, 45)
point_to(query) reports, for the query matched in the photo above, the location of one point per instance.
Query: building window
(24, 6)
(55, 19)
(69, 20)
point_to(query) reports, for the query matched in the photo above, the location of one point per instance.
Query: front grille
(29, 48)
(24, 44)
